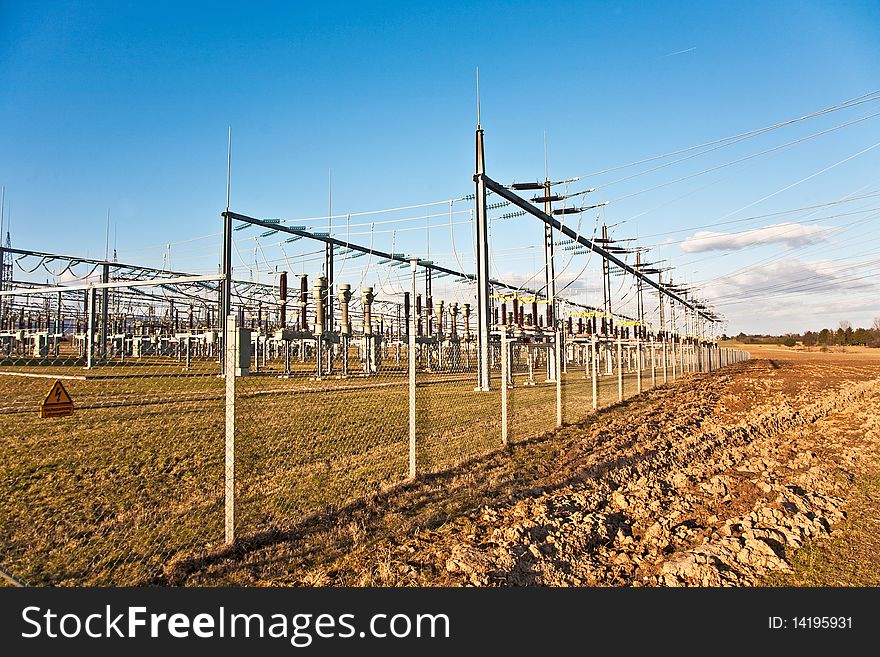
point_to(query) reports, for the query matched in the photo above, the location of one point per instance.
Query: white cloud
(787, 275)
(71, 278)
(793, 295)
(790, 234)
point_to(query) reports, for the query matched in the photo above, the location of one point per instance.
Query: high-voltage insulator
(318, 293)
(367, 298)
(344, 297)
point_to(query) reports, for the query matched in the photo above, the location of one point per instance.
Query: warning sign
(57, 403)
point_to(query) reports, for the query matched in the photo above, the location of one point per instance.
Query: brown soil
(718, 479)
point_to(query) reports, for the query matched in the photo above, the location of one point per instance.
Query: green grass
(135, 478)
(851, 556)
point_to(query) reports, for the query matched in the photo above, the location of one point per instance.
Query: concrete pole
(585, 360)
(681, 356)
(672, 337)
(595, 370)
(90, 331)
(665, 344)
(638, 365)
(558, 359)
(411, 365)
(229, 470)
(505, 368)
(105, 278)
(530, 357)
(619, 369)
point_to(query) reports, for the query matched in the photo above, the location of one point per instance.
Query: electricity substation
(209, 408)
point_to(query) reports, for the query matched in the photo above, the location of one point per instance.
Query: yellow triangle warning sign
(57, 402)
(57, 395)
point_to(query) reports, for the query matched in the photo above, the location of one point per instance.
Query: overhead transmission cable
(871, 96)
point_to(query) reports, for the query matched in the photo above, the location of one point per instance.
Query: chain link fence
(180, 441)
(110, 493)
(321, 411)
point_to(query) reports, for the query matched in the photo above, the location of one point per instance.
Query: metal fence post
(411, 364)
(229, 346)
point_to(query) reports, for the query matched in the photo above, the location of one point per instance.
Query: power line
(871, 96)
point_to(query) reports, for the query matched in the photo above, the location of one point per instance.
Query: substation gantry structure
(693, 350)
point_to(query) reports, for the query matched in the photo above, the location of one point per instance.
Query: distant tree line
(843, 335)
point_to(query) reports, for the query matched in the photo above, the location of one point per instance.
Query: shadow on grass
(525, 468)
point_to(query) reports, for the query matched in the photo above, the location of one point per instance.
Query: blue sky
(126, 106)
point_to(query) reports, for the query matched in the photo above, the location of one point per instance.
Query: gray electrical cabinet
(243, 352)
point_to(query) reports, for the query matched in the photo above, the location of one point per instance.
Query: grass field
(135, 478)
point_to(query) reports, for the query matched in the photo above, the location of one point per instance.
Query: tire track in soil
(721, 506)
